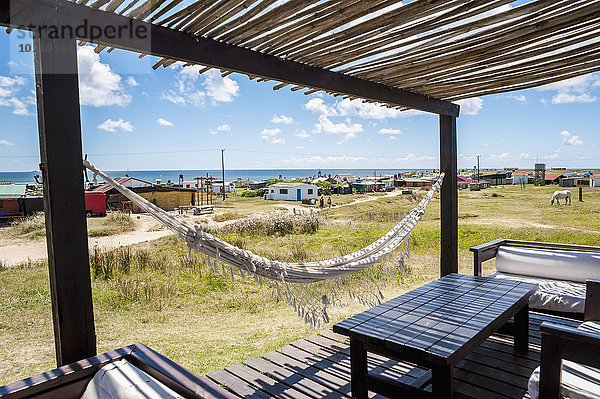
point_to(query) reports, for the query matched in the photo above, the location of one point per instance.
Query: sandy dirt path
(17, 250)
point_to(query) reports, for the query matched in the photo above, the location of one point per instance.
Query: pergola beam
(449, 196)
(177, 45)
(57, 89)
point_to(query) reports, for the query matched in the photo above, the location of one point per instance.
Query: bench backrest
(548, 263)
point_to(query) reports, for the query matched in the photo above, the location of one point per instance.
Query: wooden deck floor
(319, 367)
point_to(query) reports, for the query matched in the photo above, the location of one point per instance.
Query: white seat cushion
(121, 379)
(553, 264)
(577, 381)
(556, 295)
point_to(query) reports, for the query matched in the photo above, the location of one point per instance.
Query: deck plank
(319, 367)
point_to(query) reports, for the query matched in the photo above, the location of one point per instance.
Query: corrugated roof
(12, 190)
(552, 176)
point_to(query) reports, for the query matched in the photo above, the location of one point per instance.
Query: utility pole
(478, 156)
(223, 171)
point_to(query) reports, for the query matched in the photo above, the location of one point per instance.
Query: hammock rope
(309, 287)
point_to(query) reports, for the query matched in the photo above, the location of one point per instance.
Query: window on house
(272, 191)
(283, 191)
(310, 191)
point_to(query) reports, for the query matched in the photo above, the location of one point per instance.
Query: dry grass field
(151, 293)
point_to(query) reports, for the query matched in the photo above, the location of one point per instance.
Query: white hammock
(309, 300)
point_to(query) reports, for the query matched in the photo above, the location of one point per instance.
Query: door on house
(298, 194)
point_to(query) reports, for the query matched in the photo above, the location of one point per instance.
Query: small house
(343, 188)
(495, 179)
(415, 182)
(217, 187)
(291, 191)
(595, 179)
(521, 177)
(463, 182)
(241, 183)
(324, 179)
(552, 178)
(167, 198)
(344, 178)
(257, 185)
(189, 184)
(9, 200)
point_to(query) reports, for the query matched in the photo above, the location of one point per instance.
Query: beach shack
(344, 178)
(521, 177)
(291, 191)
(10, 194)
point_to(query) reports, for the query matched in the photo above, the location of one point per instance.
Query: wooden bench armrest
(592, 300)
(561, 342)
(483, 252)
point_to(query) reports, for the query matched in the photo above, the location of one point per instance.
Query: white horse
(566, 194)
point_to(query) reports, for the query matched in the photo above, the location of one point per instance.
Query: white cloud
(520, 98)
(278, 140)
(318, 106)
(503, 156)
(132, 82)
(269, 133)
(266, 133)
(282, 119)
(525, 156)
(7, 143)
(98, 85)
(170, 95)
(220, 89)
(392, 132)
(302, 135)
(413, 157)
(19, 106)
(112, 126)
(321, 160)
(217, 88)
(553, 156)
(574, 90)
(325, 126)
(9, 89)
(357, 108)
(569, 139)
(470, 106)
(365, 110)
(224, 128)
(164, 122)
(566, 98)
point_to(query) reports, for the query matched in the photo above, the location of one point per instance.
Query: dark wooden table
(434, 326)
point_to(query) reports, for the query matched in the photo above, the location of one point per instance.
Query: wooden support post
(449, 196)
(59, 125)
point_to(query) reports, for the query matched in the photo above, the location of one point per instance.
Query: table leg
(521, 330)
(442, 382)
(358, 369)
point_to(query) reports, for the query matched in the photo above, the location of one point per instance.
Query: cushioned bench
(569, 361)
(560, 270)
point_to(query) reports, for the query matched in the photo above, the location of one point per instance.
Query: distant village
(24, 199)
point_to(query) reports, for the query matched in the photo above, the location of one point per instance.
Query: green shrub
(254, 193)
(277, 223)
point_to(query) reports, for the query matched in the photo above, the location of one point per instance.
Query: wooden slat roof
(447, 49)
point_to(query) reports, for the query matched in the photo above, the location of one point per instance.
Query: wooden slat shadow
(319, 367)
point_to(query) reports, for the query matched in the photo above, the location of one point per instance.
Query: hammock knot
(194, 239)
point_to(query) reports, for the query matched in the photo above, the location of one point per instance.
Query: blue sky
(174, 118)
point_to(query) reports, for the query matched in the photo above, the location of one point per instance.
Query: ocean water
(250, 174)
